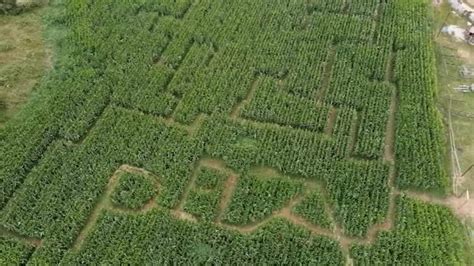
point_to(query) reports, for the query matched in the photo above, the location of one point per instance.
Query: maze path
(327, 73)
(104, 203)
(35, 242)
(389, 158)
(250, 94)
(192, 128)
(286, 212)
(44, 146)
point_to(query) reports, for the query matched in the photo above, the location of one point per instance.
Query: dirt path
(390, 131)
(181, 215)
(460, 207)
(287, 214)
(216, 164)
(251, 92)
(229, 185)
(188, 188)
(191, 129)
(32, 241)
(353, 134)
(96, 211)
(229, 188)
(331, 121)
(327, 74)
(103, 203)
(149, 205)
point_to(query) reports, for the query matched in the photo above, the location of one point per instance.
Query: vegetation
(7, 6)
(256, 198)
(133, 191)
(200, 93)
(418, 230)
(205, 196)
(312, 208)
(14, 252)
(15, 7)
(158, 238)
(25, 59)
(367, 192)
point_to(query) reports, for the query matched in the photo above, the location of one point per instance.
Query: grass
(451, 55)
(24, 60)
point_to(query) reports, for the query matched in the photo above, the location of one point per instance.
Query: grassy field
(24, 60)
(244, 132)
(451, 56)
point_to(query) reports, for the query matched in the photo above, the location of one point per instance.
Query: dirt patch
(184, 216)
(462, 206)
(466, 54)
(24, 58)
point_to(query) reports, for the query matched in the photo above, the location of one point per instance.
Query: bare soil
(462, 206)
(181, 215)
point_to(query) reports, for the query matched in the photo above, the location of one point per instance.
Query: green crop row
(245, 144)
(205, 196)
(59, 194)
(313, 209)
(343, 125)
(360, 186)
(258, 197)
(157, 238)
(424, 234)
(373, 122)
(271, 104)
(13, 252)
(123, 68)
(419, 137)
(356, 7)
(132, 191)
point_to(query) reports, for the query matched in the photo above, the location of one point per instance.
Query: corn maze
(242, 132)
